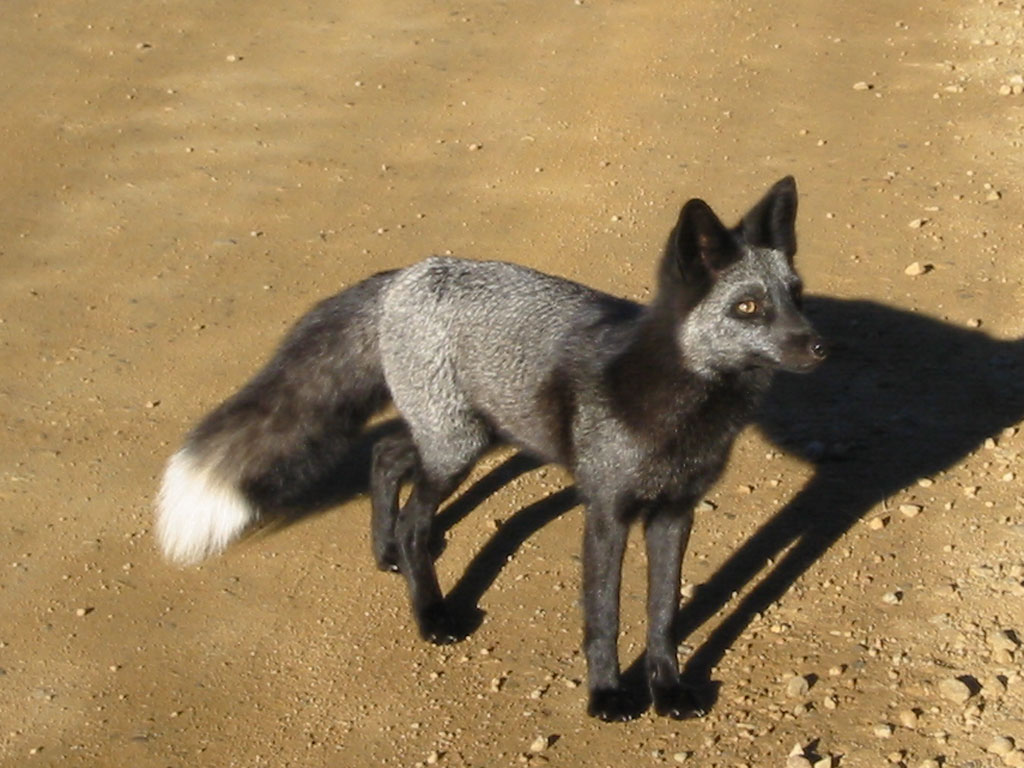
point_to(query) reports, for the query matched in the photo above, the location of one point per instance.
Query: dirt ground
(182, 180)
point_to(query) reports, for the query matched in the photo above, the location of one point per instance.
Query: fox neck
(657, 393)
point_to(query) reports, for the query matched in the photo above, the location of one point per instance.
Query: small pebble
(911, 510)
(917, 223)
(798, 761)
(994, 686)
(1004, 640)
(908, 718)
(892, 598)
(1001, 745)
(915, 269)
(797, 687)
(862, 85)
(539, 744)
(1002, 656)
(882, 730)
(955, 690)
(82, 612)
(878, 523)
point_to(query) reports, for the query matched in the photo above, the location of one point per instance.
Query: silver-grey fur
(712, 340)
(456, 351)
(641, 402)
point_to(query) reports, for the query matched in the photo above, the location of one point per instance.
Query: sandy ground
(182, 180)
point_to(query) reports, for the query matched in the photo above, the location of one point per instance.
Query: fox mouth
(805, 358)
(803, 366)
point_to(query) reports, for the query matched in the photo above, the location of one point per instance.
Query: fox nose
(818, 348)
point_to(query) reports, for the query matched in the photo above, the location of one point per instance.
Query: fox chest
(686, 469)
(682, 465)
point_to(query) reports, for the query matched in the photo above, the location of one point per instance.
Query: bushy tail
(277, 437)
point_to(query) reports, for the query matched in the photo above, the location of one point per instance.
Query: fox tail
(282, 432)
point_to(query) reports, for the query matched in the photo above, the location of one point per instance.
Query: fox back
(475, 350)
(482, 341)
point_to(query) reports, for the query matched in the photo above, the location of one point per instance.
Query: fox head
(735, 295)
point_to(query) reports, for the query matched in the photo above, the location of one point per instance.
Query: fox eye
(747, 307)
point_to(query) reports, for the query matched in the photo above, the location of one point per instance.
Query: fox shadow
(902, 396)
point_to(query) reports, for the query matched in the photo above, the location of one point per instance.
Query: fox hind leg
(413, 534)
(394, 461)
(438, 470)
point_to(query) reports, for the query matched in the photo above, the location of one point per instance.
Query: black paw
(436, 625)
(387, 558)
(613, 705)
(678, 701)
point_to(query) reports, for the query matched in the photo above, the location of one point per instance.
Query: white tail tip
(198, 513)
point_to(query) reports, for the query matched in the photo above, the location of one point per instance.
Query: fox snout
(802, 352)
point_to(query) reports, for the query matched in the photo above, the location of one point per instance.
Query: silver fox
(641, 402)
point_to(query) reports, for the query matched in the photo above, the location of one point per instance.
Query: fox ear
(772, 222)
(702, 245)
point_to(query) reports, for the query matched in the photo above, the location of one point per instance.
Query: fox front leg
(604, 541)
(667, 531)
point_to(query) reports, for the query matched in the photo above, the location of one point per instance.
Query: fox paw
(613, 705)
(386, 558)
(436, 626)
(678, 701)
